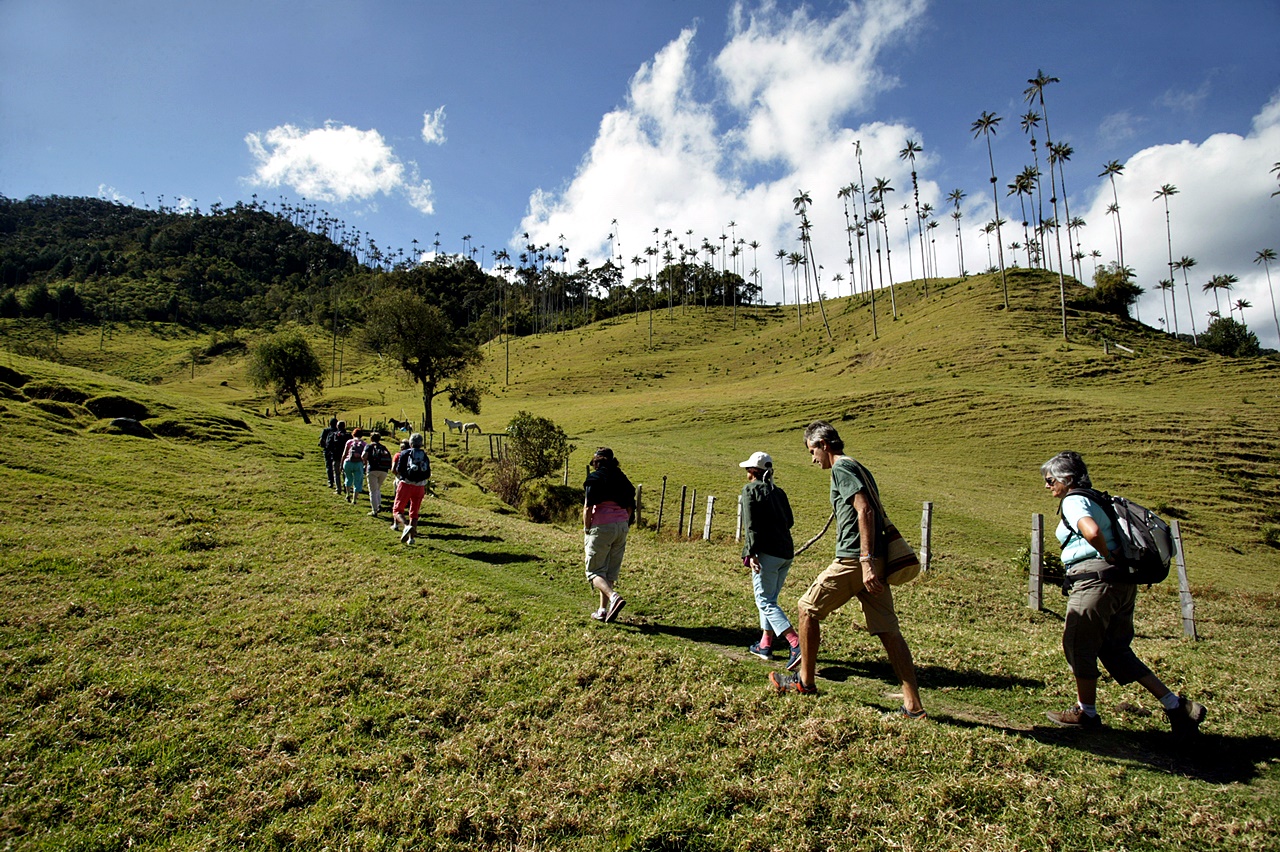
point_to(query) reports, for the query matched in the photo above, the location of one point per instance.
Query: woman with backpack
(1099, 622)
(377, 464)
(767, 549)
(353, 466)
(607, 515)
(413, 469)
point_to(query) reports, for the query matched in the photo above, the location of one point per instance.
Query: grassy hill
(203, 648)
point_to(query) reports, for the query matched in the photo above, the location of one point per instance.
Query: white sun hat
(764, 461)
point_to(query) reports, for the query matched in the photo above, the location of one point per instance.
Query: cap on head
(760, 460)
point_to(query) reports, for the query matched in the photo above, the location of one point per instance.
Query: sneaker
(793, 661)
(599, 614)
(903, 713)
(784, 682)
(762, 653)
(407, 535)
(615, 606)
(374, 513)
(1185, 721)
(1074, 718)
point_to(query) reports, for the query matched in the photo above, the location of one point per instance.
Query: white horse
(453, 425)
(472, 427)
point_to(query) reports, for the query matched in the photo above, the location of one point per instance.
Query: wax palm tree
(1165, 286)
(1165, 192)
(909, 153)
(1035, 91)
(1029, 122)
(1265, 257)
(844, 194)
(1023, 186)
(1241, 304)
(955, 197)
(1059, 154)
(1185, 264)
(1109, 171)
(1095, 254)
(986, 126)
(878, 194)
(1220, 282)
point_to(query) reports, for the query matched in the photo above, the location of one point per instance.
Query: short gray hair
(415, 440)
(1068, 468)
(821, 430)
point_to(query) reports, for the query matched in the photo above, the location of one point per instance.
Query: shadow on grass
(491, 558)
(732, 637)
(929, 677)
(1212, 758)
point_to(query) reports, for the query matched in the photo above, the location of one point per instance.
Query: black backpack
(378, 456)
(414, 466)
(337, 442)
(1146, 542)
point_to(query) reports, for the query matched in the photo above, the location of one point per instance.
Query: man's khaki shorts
(842, 580)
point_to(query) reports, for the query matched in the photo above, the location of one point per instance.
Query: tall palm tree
(1164, 192)
(1220, 282)
(1109, 171)
(844, 193)
(1166, 286)
(878, 194)
(1095, 254)
(1265, 257)
(1059, 154)
(1185, 263)
(986, 126)
(1023, 186)
(1241, 304)
(781, 255)
(909, 153)
(955, 197)
(1035, 91)
(1029, 122)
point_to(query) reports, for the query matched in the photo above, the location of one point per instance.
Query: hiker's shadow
(733, 637)
(1209, 757)
(929, 677)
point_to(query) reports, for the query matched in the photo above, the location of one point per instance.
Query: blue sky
(492, 119)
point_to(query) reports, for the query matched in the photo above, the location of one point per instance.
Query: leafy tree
(286, 363)
(1227, 337)
(1113, 290)
(421, 339)
(537, 447)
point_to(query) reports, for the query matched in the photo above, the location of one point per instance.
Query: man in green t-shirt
(853, 573)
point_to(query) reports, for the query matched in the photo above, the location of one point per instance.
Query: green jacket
(766, 521)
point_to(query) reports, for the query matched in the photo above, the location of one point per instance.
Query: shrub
(546, 502)
(1227, 337)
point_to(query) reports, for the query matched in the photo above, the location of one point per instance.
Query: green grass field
(203, 648)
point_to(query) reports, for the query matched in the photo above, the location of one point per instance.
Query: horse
(453, 425)
(472, 427)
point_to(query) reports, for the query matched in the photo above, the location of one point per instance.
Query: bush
(1113, 291)
(1227, 337)
(545, 502)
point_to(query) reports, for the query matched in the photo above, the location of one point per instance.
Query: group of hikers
(1098, 626)
(351, 462)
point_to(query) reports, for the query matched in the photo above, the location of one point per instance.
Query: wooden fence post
(926, 535)
(1184, 588)
(1035, 588)
(639, 502)
(706, 526)
(662, 502)
(737, 534)
(693, 510)
(684, 491)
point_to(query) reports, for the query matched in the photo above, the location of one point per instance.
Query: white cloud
(110, 193)
(1118, 128)
(1222, 215)
(336, 163)
(433, 127)
(785, 83)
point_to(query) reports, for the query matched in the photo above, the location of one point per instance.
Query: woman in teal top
(1099, 622)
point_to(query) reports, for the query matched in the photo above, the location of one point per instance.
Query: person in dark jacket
(767, 549)
(608, 512)
(330, 460)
